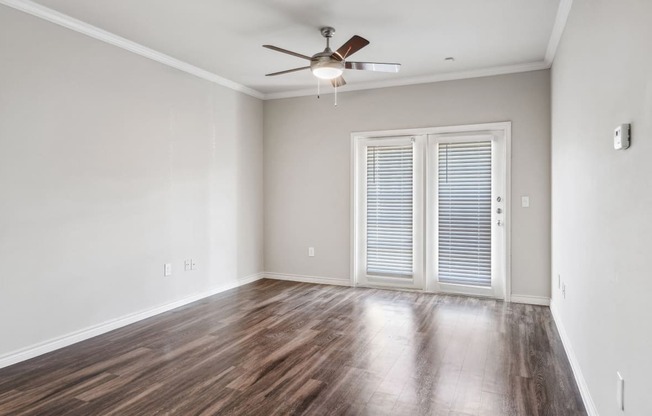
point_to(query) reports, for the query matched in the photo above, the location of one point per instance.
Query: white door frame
(418, 277)
(504, 127)
(496, 138)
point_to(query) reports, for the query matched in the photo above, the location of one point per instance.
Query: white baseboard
(309, 279)
(530, 300)
(95, 330)
(251, 278)
(575, 365)
(527, 299)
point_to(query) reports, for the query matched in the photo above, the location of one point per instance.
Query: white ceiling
(225, 36)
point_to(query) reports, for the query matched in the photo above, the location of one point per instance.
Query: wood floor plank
(283, 348)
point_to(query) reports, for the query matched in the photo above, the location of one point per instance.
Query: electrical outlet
(193, 265)
(563, 290)
(187, 265)
(620, 391)
(167, 269)
(311, 252)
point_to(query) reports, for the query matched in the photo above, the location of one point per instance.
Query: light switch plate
(525, 201)
(621, 136)
(311, 252)
(167, 269)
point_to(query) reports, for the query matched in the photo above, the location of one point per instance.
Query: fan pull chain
(335, 96)
(318, 84)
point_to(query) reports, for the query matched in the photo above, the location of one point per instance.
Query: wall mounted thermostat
(621, 137)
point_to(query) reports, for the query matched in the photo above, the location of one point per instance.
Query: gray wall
(110, 166)
(602, 198)
(308, 155)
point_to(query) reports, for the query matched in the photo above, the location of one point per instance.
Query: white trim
(71, 23)
(353, 220)
(308, 279)
(397, 82)
(531, 300)
(557, 30)
(463, 128)
(505, 126)
(508, 211)
(464, 290)
(87, 29)
(591, 410)
(359, 274)
(251, 278)
(556, 33)
(95, 330)
(498, 139)
(525, 299)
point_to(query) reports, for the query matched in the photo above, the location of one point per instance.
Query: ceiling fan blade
(287, 71)
(350, 47)
(277, 49)
(338, 82)
(373, 66)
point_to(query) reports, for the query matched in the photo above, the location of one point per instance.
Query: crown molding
(558, 27)
(79, 26)
(449, 76)
(71, 23)
(558, 30)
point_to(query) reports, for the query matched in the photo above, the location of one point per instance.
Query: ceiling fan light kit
(327, 70)
(329, 65)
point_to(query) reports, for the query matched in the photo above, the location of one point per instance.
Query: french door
(390, 194)
(466, 213)
(430, 211)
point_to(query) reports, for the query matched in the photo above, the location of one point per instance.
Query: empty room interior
(301, 207)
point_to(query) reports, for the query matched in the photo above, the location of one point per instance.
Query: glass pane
(464, 208)
(389, 210)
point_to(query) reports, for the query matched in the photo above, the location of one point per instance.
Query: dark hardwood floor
(280, 348)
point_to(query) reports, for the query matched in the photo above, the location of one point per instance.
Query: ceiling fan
(330, 65)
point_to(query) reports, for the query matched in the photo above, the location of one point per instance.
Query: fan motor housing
(324, 66)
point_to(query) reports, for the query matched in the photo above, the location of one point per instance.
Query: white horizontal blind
(390, 210)
(464, 206)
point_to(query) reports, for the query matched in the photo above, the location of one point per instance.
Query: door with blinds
(429, 211)
(391, 243)
(465, 212)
